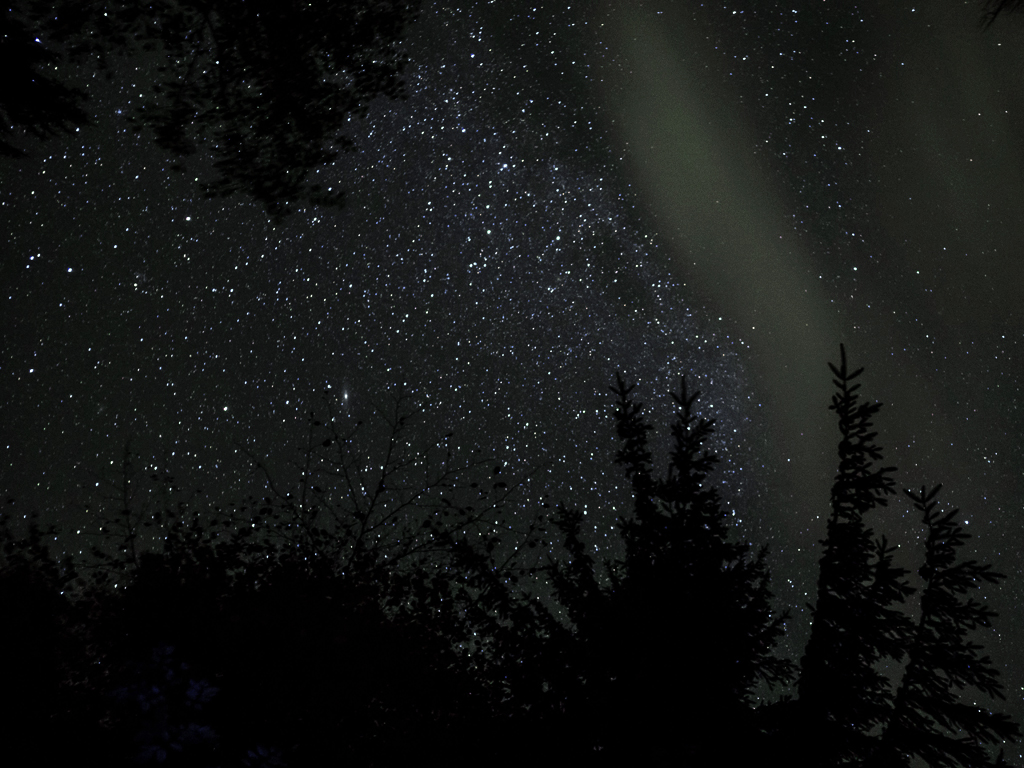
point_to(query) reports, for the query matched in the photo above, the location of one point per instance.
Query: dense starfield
(652, 188)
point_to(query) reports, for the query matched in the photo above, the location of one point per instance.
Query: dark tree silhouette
(264, 87)
(993, 8)
(31, 663)
(855, 622)
(368, 611)
(684, 631)
(30, 98)
(360, 612)
(310, 665)
(929, 719)
(362, 496)
(847, 712)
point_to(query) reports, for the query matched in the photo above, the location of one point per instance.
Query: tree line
(381, 609)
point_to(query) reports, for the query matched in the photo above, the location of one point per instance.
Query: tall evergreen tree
(843, 695)
(929, 719)
(303, 643)
(678, 548)
(674, 646)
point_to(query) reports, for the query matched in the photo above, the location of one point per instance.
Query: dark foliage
(856, 620)
(929, 719)
(263, 87)
(362, 615)
(993, 8)
(30, 98)
(45, 654)
(847, 712)
(684, 631)
(376, 609)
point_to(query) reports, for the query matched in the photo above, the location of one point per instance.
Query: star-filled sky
(657, 188)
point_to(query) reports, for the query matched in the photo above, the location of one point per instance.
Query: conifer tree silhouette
(842, 694)
(675, 644)
(678, 544)
(424, 646)
(847, 712)
(929, 719)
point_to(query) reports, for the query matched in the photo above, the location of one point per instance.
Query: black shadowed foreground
(261, 88)
(378, 612)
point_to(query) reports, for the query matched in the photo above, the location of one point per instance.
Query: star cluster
(488, 260)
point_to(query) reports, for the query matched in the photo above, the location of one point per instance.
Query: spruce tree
(843, 695)
(674, 646)
(930, 719)
(682, 550)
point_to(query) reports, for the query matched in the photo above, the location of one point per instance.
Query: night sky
(651, 188)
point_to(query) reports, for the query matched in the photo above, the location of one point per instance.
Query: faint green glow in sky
(693, 167)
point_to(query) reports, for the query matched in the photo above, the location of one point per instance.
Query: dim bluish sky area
(656, 188)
